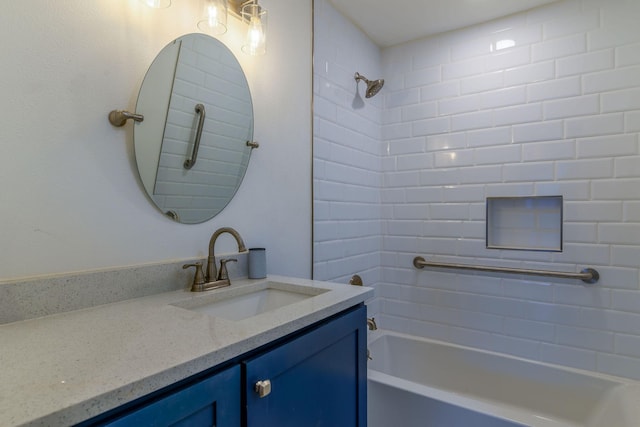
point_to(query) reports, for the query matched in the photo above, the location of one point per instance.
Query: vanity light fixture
(157, 4)
(213, 20)
(256, 17)
(214, 17)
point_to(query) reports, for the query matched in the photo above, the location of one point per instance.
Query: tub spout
(371, 324)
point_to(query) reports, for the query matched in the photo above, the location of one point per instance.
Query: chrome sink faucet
(212, 273)
(215, 278)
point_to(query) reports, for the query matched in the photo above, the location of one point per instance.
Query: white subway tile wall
(556, 113)
(347, 175)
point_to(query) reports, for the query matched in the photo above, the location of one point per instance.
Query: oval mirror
(192, 149)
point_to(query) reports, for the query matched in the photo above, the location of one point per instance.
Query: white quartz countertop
(66, 368)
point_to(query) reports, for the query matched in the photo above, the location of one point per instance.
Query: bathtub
(420, 382)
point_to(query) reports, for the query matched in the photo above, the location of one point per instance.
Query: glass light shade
(214, 17)
(157, 4)
(255, 42)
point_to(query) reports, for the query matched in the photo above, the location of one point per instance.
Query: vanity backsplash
(45, 295)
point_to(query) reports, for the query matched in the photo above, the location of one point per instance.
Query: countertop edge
(99, 403)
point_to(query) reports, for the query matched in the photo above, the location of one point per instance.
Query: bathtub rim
(454, 399)
(379, 333)
(496, 409)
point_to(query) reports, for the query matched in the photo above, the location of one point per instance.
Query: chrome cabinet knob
(263, 388)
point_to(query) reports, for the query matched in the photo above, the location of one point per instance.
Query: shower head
(373, 86)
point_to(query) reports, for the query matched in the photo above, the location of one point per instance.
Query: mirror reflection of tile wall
(189, 192)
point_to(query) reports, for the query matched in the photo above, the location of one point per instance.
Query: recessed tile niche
(525, 223)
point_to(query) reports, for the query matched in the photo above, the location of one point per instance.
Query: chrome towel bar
(588, 275)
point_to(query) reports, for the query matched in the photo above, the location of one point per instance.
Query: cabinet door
(212, 402)
(318, 379)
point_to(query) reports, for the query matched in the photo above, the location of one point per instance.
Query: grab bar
(188, 164)
(588, 275)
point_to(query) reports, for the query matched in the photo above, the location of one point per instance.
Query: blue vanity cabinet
(317, 379)
(214, 401)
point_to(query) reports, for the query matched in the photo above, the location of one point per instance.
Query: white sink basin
(247, 301)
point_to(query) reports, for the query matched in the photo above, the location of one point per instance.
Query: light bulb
(255, 40)
(214, 20)
(255, 35)
(157, 4)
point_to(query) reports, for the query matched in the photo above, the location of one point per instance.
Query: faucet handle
(198, 279)
(223, 274)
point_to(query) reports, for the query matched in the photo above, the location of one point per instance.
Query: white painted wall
(70, 197)
(558, 113)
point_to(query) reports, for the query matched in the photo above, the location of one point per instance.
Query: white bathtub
(421, 382)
